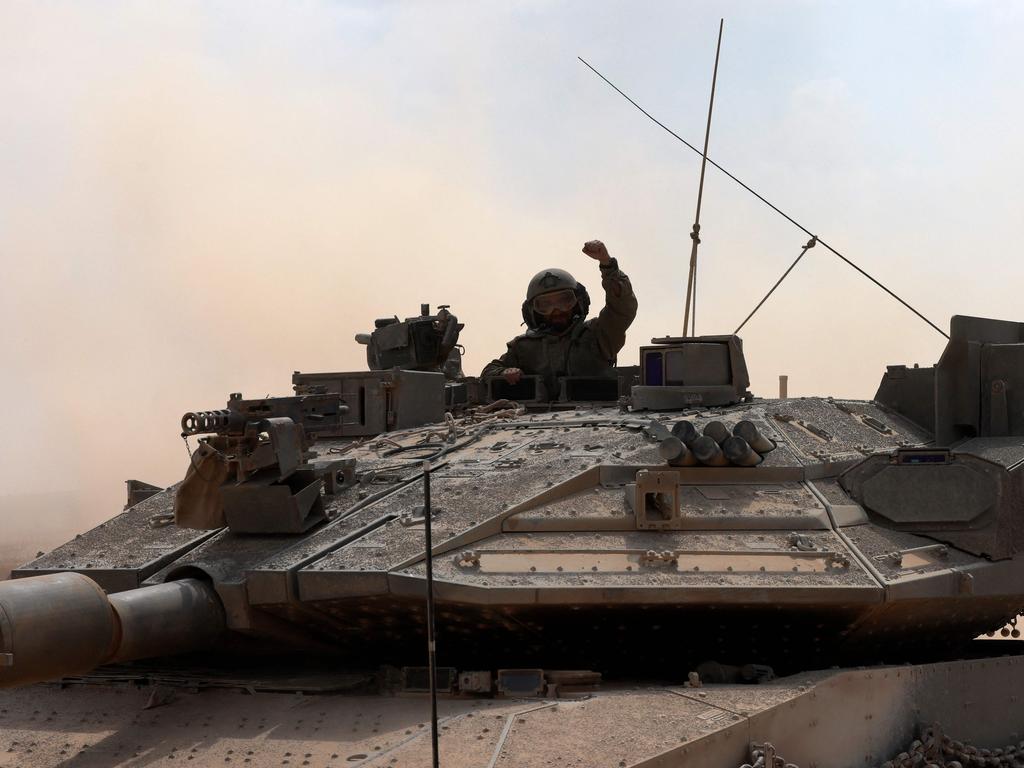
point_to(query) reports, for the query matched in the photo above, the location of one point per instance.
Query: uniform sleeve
(509, 360)
(619, 309)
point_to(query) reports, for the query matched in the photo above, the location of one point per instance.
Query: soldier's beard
(558, 320)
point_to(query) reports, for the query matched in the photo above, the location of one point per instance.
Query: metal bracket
(337, 474)
(653, 559)
(286, 439)
(657, 500)
(920, 556)
(467, 559)
(520, 682)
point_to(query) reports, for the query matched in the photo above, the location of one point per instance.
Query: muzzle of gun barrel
(205, 422)
(64, 624)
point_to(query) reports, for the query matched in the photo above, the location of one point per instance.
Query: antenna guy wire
(775, 208)
(810, 244)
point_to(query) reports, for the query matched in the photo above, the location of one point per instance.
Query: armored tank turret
(650, 521)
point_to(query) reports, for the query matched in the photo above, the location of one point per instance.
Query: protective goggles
(547, 303)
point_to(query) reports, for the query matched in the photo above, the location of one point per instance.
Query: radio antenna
(691, 281)
(431, 631)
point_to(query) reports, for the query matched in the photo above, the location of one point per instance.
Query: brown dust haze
(200, 201)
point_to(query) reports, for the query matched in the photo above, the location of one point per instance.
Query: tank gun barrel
(64, 624)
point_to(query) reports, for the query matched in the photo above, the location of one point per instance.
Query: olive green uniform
(586, 347)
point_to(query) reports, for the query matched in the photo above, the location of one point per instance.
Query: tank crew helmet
(550, 290)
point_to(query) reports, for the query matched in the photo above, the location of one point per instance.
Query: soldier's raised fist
(595, 249)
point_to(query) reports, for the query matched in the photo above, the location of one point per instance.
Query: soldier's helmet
(549, 285)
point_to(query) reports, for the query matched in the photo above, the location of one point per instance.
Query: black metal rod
(431, 639)
(810, 244)
(691, 285)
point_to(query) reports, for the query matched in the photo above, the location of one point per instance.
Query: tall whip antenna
(691, 281)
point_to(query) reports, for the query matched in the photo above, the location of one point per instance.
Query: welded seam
(705, 702)
(507, 730)
(859, 556)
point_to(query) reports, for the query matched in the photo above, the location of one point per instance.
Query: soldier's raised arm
(620, 302)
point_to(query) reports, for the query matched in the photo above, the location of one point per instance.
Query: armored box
(379, 401)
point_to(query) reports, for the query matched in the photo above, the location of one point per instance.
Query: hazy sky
(200, 198)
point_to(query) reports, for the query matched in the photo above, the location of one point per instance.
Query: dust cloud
(198, 199)
(34, 523)
(189, 232)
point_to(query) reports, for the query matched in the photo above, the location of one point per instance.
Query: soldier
(559, 342)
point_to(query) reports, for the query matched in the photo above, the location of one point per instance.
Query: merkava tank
(636, 525)
(662, 529)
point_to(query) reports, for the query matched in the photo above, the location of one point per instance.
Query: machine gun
(252, 472)
(269, 432)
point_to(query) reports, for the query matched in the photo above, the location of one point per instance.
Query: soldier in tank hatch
(560, 341)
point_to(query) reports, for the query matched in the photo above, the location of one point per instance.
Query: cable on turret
(775, 208)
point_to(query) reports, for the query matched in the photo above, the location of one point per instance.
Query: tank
(643, 523)
(661, 524)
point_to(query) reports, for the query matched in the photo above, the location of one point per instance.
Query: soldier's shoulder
(529, 336)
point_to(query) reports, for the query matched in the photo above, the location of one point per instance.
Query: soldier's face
(559, 319)
(555, 308)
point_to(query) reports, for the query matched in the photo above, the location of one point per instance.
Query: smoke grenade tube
(717, 431)
(675, 452)
(709, 452)
(739, 452)
(685, 431)
(749, 432)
